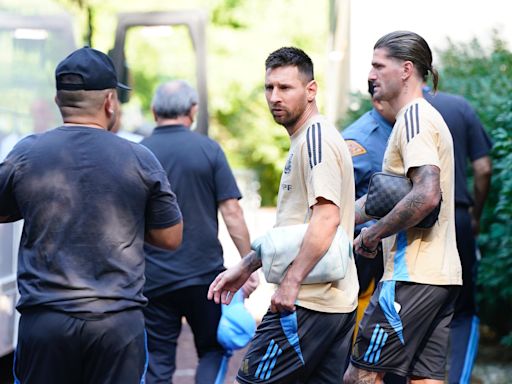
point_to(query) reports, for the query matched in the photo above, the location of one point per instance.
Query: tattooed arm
(418, 203)
(228, 282)
(360, 214)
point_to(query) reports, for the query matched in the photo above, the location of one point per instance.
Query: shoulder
(420, 112)
(321, 139)
(320, 131)
(145, 157)
(22, 147)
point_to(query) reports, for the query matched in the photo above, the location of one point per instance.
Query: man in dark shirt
(470, 142)
(177, 282)
(88, 200)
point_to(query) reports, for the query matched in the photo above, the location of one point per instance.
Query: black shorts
(405, 330)
(55, 347)
(302, 347)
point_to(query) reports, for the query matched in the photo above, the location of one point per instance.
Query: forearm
(407, 213)
(233, 217)
(418, 203)
(317, 240)
(251, 262)
(482, 181)
(360, 213)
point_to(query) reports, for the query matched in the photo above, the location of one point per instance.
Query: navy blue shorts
(405, 330)
(55, 347)
(302, 347)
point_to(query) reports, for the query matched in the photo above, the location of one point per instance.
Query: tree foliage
(240, 35)
(484, 77)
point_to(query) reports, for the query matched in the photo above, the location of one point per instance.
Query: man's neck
(310, 111)
(411, 91)
(85, 122)
(180, 120)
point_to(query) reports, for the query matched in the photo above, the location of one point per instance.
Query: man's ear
(311, 89)
(407, 69)
(109, 103)
(193, 112)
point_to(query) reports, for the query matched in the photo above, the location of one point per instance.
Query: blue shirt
(87, 197)
(201, 178)
(470, 140)
(367, 138)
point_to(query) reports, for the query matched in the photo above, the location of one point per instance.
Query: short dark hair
(291, 56)
(409, 46)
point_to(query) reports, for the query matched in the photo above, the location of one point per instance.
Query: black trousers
(55, 347)
(163, 317)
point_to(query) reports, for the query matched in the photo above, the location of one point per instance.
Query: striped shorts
(405, 330)
(300, 347)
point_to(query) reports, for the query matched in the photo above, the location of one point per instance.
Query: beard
(284, 117)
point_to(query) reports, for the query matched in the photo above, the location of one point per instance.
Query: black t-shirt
(87, 197)
(470, 140)
(201, 178)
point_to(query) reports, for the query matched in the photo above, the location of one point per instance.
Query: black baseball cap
(96, 70)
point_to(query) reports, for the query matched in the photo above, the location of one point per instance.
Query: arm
(360, 212)
(167, 238)
(482, 171)
(317, 240)
(228, 282)
(234, 218)
(418, 203)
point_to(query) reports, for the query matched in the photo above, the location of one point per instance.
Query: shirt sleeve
(419, 140)
(225, 182)
(8, 204)
(322, 169)
(162, 210)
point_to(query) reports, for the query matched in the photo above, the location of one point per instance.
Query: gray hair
(173, 99)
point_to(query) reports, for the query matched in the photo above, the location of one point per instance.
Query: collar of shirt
(381, 121)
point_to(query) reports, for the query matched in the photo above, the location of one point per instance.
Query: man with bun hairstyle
(405, 329)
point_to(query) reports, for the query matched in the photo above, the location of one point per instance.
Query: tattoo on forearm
(408, 211)
(252, 261)
(360, 216)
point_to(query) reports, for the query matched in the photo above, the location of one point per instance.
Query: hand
(365, 246)
(283, 300)
(251, 284)
(227, 283)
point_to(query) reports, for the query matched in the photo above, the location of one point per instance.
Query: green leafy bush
(484, 77)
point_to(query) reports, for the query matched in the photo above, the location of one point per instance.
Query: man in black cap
(89, 200)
